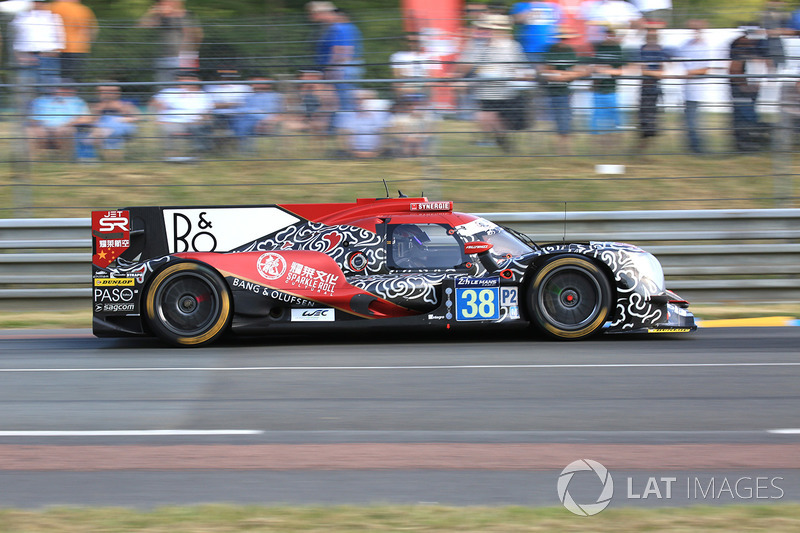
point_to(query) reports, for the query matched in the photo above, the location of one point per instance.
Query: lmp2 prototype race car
(190, 274)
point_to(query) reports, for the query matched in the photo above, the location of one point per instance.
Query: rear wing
(141, 233)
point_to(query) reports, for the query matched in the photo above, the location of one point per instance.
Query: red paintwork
(325, 282)
(368, 212)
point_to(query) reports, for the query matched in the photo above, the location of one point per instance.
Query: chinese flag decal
(111, 232)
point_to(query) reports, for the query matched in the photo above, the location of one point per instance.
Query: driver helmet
(409, 242)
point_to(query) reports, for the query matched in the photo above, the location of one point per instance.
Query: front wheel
(569, 298)
(188, 304)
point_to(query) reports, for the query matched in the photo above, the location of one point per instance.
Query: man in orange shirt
(80, 29)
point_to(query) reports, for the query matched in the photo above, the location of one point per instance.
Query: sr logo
(111, 222)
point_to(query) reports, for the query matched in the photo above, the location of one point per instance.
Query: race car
(188, 275)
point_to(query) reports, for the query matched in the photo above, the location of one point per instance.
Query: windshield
(504, 244)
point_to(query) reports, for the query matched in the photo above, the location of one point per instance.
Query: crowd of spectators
(516, 64)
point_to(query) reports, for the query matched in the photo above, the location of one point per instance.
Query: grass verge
(224, 518)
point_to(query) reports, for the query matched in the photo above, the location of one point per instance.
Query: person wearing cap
(38, 42)
(537, 27)
(500, 57)
(54, 118)
(562, 66)
(338, 51)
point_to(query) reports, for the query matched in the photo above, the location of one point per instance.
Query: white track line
(399, 367)
(133, 433)
(784, 431)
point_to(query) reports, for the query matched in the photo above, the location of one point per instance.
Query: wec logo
(314, 315)
(586, 509)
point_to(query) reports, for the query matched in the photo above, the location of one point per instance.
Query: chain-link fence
(255, 118)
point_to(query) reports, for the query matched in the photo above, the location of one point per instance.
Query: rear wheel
(570, 298)
(188, 304)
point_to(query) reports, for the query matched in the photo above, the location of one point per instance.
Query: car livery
(190, 274)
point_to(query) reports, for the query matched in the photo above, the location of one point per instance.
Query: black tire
(188, 304)
(569, 298)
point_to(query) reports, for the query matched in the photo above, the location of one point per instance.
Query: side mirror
(482, 249)
(477, 247)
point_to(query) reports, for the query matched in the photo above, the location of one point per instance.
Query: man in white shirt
(38, 42)
(696, 54)
(412, 63)
(184, 112)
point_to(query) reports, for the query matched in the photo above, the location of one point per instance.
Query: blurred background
(501, 106)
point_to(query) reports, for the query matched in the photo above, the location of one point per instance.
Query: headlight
(650, 271)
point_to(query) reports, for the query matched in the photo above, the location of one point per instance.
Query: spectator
(54, 118)
(339, 49)
(180, 36)
(80, 30)
(790, 113)
(183, 112)
(608, 63)
(561, 66)
(601, 14)
(652, 56)
(314, 105)
(115, 120)
(472, 38)
(696, 54)
(260, 114)
(412, 63)
(227, 97)
(38, 42)
(748, 132)
(412, 124)
(777, 21)
(364, 127)
(538, 26)
(500, 57)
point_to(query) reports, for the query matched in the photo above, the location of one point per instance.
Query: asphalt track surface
(402, 418)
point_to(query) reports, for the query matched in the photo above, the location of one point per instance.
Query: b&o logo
(271, 265)
(586, 509)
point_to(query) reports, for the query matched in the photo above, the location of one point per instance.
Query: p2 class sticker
(478, 303)
(314, 315)
(509, 296)
(357, 261)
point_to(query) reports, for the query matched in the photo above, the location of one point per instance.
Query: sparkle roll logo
(586, 509)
